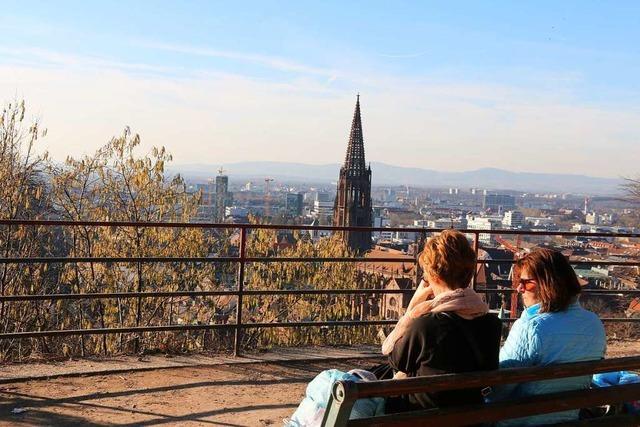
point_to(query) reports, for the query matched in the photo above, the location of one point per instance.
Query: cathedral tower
(352, 206)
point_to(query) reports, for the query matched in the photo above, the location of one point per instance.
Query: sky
(540, 86)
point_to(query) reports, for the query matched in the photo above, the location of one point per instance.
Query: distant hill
(384, 174)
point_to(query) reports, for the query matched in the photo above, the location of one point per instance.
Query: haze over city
(538, 87)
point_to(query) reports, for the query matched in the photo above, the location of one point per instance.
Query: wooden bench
(345, 393)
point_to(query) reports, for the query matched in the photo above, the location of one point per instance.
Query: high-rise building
(323, 208)
(294, 204)
(222, 195)
(206, 205)
(352, 206)
(498, 203)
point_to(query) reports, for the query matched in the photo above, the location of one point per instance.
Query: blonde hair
(449, 257)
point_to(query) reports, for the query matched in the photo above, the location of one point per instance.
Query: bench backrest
(345, 393)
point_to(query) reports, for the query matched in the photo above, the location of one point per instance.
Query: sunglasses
(527, 284)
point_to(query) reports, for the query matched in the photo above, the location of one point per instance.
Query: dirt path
(216, 393)
(224, 395)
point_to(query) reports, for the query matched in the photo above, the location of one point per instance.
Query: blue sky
(538, 86)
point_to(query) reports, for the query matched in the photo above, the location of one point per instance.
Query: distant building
(542, 222)
(206, 205)
(395, 305)
(498, 203)
(484, 223)
(353, 198)
(513, 219)
(322, 208)
(223, 197)
(236, 212)
(379, 221)
(316, 234)
(447, 223)
(592, 218)
(294, 203)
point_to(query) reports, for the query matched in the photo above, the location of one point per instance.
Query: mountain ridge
(385, 174)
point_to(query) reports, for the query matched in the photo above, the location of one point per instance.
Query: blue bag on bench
(312, 408)
(616, 378)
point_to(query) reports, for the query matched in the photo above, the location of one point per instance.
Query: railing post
(476, 238)
(238, 335)
(419, 243)
(139, 290)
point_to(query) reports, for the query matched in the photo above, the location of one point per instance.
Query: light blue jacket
(314, 404)
(539, 339)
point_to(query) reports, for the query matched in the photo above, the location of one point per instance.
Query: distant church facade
(352, 206)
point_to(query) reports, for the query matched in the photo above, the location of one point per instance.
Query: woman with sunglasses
(553, 328)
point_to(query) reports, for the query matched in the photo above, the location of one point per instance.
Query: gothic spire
(354, 160)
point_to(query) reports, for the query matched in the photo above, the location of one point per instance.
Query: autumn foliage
(116, 183)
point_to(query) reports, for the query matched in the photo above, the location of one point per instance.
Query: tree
(22, 196)
(631, 188)
(302, 307)
(115, 184)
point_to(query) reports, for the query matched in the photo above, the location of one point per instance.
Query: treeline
(117, 184)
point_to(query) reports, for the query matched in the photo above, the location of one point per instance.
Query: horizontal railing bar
(162, 294)
(165, 328)
(363, 260)
(603, 319)
(161, 328)
(304, 227)
(571, 261)
(584, 291)
(435, 383)
(66, 260)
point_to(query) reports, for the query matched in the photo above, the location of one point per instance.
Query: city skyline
(443, 88)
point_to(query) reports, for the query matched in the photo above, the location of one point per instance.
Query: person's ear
(435, 280)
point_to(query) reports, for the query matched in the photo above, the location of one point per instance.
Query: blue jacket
(539, 339)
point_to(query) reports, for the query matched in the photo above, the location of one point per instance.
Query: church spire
(352, 207)
(354, 161)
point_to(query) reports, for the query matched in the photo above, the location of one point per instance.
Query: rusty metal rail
(242, 260)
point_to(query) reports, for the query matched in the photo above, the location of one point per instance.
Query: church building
(352, 206)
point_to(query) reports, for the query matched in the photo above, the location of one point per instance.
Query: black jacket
(442, 343)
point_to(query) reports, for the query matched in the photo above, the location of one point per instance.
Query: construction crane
(267, 197)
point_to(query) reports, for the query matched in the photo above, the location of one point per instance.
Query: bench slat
(432, 383)
(522, 407)
(625, 420)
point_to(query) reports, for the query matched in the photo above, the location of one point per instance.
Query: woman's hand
(423, 293)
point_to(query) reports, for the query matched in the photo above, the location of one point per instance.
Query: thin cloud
(273, 62)
(227, 118)
(50, 57)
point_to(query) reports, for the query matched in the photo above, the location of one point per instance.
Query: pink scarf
(464, 302)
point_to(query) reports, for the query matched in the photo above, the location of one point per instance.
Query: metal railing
(242, 259)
